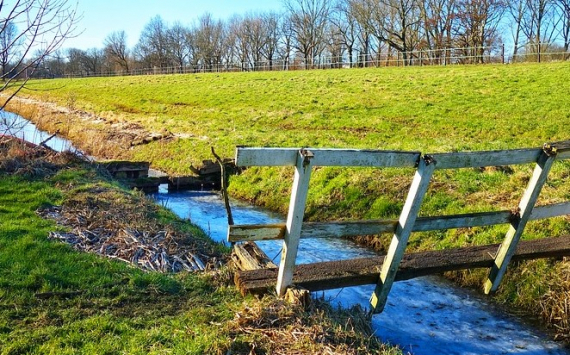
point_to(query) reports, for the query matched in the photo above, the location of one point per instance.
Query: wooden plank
(254, 232)
(248, 256)
(560, 149)
(486, 158)
(549, 211)
(372, 227)
(326, 157)
(516, 228)
(563, 155)
(365, 271)
(403, 230)
(294, 220)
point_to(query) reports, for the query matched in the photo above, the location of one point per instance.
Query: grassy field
(55, 300)
(429, 109)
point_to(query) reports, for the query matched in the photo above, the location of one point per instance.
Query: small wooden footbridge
(396, 265)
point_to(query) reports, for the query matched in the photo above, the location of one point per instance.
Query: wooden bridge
(396, 265)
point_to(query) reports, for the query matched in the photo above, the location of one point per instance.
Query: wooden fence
(304, 160)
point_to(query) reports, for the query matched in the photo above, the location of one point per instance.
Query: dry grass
(281, 328)
(88, 130)
(18, 157)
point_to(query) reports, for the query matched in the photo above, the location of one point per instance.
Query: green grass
(429, 109)
(119, 309)
(56, 300)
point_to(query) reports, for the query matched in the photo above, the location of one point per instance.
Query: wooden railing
(304, 160)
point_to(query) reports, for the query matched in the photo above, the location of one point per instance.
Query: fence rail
(433, 57)
(306, 159)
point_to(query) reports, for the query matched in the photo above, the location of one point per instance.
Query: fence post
(403, 230)
(294, 220)
(516, 228)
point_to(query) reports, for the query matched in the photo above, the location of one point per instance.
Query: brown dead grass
(282, 328)
(21, 158)
(87, 130)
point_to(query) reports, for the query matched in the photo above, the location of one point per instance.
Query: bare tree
(271, 22)
(208, 40)
(360, 9)
(178, 44)
(286, 41)
(116, 49)
(538, 25)
(39, 28)
(56, 64)
(309, 19)
(152, 47)
(344, 18)
(564, 6)
(438, 17)
(395, 22)
(75, 61)
(9, 49)
(92, 61)
(516, 10)
(476, 25)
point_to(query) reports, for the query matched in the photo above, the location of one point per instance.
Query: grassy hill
(430, 109)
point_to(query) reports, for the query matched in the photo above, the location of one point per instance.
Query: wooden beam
(294, 220)
(486, 158)
(365, 271)
(560, 149)
(248, 256)
(516, 228)
(255, 232)
(326, 157)
(403, 230)
(239, 233)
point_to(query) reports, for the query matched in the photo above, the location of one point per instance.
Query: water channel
(426, 315)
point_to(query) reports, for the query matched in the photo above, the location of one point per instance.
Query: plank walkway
(365, 271)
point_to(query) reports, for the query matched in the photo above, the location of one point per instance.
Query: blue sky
(101, 17)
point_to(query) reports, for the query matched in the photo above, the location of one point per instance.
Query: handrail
(304, 159)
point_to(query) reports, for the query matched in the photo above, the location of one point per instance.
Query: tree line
(313, 33)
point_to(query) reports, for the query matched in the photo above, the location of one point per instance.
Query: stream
(426, 315)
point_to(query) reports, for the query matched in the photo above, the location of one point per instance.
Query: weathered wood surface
(560, 149)
(127, 169)
(148, 184)
(364, 271)
(485, 158)
(248, 256)
(404, 229)
(176, 183)
(516, 228)
(294, 221)
(373, 227)
(326, 157)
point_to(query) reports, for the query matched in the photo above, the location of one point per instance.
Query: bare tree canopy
(309, 20)
(31, 31)
(307, 34)
(116, 49)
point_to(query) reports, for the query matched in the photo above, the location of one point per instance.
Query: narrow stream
(426, 315)
(14, 125)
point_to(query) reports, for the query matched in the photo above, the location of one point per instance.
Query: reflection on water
(14, 125)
